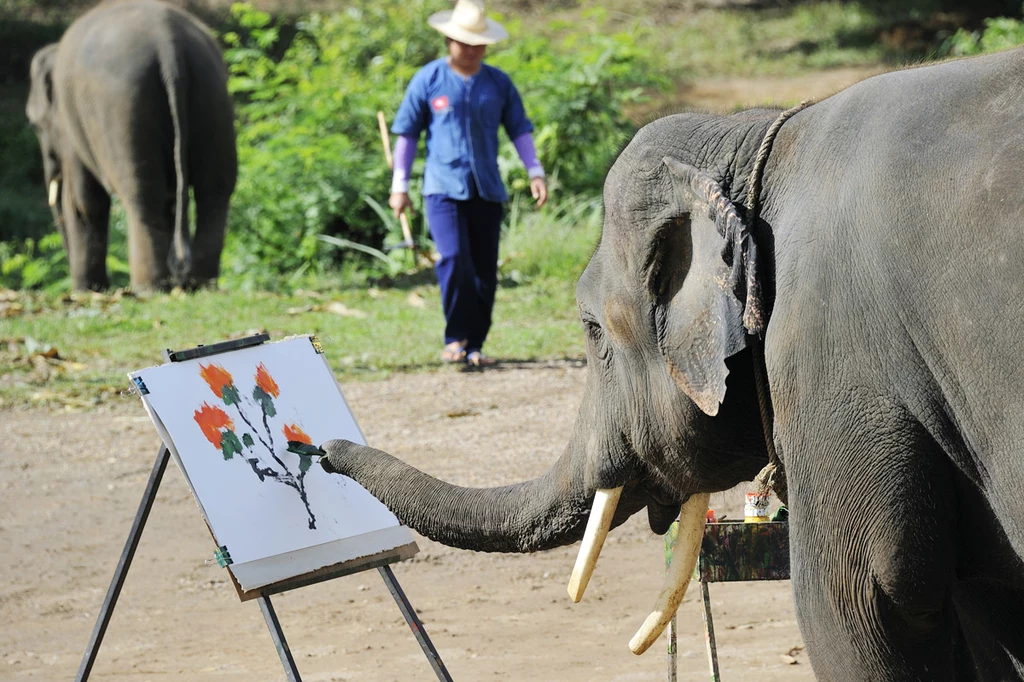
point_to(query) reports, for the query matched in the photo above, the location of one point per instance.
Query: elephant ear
(41, 77)
(706, 285)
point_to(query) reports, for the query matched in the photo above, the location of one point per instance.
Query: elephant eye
(596, 338)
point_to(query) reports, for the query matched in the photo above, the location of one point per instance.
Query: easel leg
(291, 672)
(709, 633)
(672, 650)
(670, 540)
(123, 564)
(414, 624)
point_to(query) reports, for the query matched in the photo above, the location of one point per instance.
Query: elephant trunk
(548, 511)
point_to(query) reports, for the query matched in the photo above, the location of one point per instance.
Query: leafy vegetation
(310, 155)
(22, 213)
(37, 263)
(999, 33)
(310, 152)
(308, 89)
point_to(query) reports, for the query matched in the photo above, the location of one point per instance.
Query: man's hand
(539, 190)
(399, 201)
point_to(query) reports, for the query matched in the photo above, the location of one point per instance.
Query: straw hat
(468, 24)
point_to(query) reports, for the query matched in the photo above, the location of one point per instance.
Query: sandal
(478, 359)
(454, 352)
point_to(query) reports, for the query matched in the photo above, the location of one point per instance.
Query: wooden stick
(385, 139)
(406, 232)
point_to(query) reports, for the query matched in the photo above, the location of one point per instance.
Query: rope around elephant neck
(757, 172)
(772, 476)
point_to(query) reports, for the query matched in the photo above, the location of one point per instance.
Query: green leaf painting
(230, 445)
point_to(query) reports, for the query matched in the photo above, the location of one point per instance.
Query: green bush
(310, 158)
(309, 146)
(42, 263)
(1000, 33)
(576, 84)
(310, 154)
(31, 263)
(23, 210)
(555, 244)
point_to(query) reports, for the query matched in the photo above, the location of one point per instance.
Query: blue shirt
(461, 117)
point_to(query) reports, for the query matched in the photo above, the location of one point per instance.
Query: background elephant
(890, 256)
(133, 101)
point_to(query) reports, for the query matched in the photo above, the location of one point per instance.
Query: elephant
(133, 101)
(863, 255)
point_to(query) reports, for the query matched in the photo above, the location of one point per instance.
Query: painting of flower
(227, 418)
(211, 420)
(220, 382)
(265, 382)
(264, 392)
(255, 445)
(295, 432)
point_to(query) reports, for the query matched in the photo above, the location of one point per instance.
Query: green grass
(791, 40)
(99, 339)
(776, 42)
(367, 331)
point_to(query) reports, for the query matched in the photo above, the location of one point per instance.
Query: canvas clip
(140, 385)
(223, 556)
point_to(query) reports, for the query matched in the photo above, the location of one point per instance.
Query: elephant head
(666, 303)
(42, 115)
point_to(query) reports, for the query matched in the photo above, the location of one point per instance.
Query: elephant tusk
(598, 525)
(54, 191)
(685, 551)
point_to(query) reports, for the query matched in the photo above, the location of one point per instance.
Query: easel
(730, 552)
(262, 595)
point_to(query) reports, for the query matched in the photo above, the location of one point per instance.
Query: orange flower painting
(254, 440)
(216, 377)
(211, 420)
(295, 432)
(266, 382)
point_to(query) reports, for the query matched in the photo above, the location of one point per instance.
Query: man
(460, 102)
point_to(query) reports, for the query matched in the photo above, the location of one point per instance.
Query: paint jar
(756, 508)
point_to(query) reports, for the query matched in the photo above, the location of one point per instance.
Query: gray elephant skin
(133, 102)
(891, 259)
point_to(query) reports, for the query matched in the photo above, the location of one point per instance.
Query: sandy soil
(71, 483)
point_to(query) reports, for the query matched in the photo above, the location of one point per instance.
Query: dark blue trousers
(466, 234)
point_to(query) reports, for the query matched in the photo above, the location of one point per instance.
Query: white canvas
(229, 416)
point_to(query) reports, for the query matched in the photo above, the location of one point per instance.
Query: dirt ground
(71, 484)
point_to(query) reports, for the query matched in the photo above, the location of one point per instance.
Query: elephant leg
(85, 206)
(150, 230)
(873, 519)
(208, 243)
